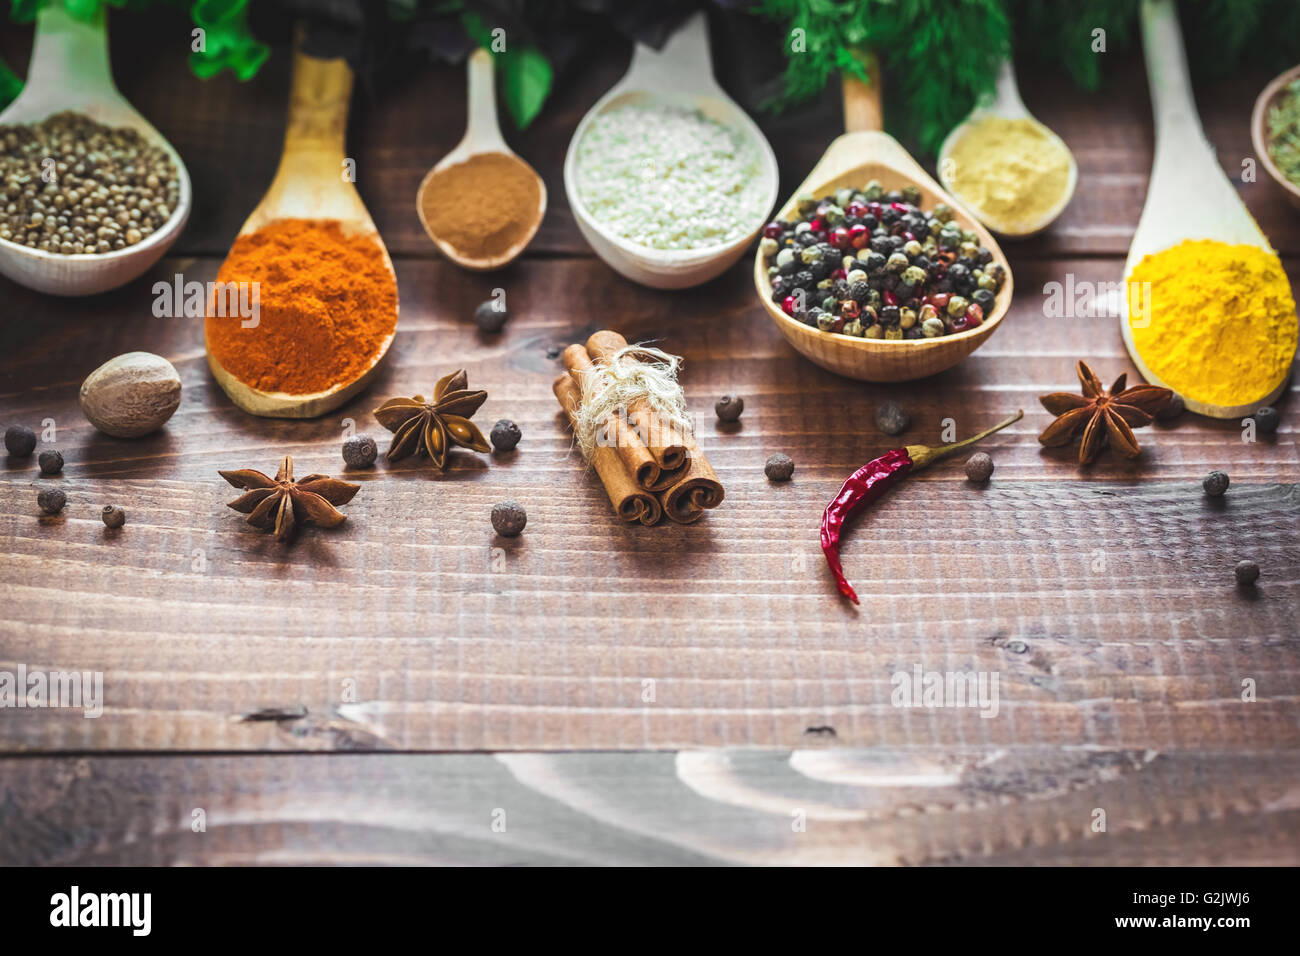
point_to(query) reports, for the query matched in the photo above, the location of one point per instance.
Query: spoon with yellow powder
(481, 204)
(1010, 170)
(1208, 310)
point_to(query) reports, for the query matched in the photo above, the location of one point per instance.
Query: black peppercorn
(51, 463)
(20, 440)
(491, 316)
(114, 517)
(1246, 572)
(509, 518)
(1266, 419)
(505, 435)
(729, 408)
(779, 467)
(892, 419)
(360, 451)
(51, 500)
(1215, 483)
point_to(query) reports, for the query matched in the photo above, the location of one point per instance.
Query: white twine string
(634, 373)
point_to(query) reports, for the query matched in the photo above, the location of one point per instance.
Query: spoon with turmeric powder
(305, 305)
(481, 204)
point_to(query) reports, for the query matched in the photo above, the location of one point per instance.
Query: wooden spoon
(1189, 196)
(69, 70)
(482, 135)
(681, 74)
(1007, 104)
(309, 184)
(862, 154)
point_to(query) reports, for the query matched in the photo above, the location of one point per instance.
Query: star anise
(280, 504)
(434, 426)
(1102, 415)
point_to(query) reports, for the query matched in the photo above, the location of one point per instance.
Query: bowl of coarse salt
(668, 178)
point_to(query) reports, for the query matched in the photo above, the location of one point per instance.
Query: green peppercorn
(834, 215)
(853, 327)
(785, 257)
(768, 247)
(843, 197)
(875, 331)
(825, 320)
(957, 306)
(894, 333)
(857, 275)
(807, 256)
(911, 194)
(932, 328)
(987, 282)
(906, 318)
(896, 262)
(968, 250)
(911, 249)
(914, 276)
(873, 191)
(807, 204)
(942, 212)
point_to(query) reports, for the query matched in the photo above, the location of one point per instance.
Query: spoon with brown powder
(481, 204)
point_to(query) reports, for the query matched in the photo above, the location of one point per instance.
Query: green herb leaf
(526, 78)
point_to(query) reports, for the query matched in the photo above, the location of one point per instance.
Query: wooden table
(409, 688)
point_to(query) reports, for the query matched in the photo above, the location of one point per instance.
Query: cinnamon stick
(625, 440)
(696, 490)
(630, 502)
(665, 443)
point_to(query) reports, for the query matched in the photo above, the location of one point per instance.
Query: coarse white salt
(669, 177)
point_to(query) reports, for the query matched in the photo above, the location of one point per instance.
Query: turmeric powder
(1214, 322)
(327, 301)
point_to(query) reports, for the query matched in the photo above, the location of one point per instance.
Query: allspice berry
(360, 451)
(892, 419)
(1215, 483)
(131, 395)
(505, 435)
(490, 316)
(979, 467)
(1266, 420)
(1246, 572)
(51, 500)
(779, 467)
(729, 408)
(20, 441)
(114, 517)
(51, 463)
(509, 518)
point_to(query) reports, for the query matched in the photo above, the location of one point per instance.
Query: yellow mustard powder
(1013, 171)
(1222, 323)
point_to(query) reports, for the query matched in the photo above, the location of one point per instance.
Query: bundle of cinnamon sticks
(649, 467)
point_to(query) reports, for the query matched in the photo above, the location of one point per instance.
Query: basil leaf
(526, 77)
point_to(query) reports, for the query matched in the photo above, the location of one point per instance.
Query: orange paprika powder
(326, 303)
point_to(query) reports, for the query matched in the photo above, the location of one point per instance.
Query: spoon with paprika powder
(326, 292)
(481, 204)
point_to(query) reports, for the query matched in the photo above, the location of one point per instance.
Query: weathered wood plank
(811, 806)
(1104, 599)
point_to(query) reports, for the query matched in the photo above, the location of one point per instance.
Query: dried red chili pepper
(871, 481)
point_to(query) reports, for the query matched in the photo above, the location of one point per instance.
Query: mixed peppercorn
(873, 264)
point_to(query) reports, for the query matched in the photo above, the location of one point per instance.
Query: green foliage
(1062, 34)
(526, 74)
(227, 41)
(939, 56)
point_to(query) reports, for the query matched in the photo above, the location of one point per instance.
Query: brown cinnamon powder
(483, 206)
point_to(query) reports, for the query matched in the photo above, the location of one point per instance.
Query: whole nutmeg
(131, 395)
